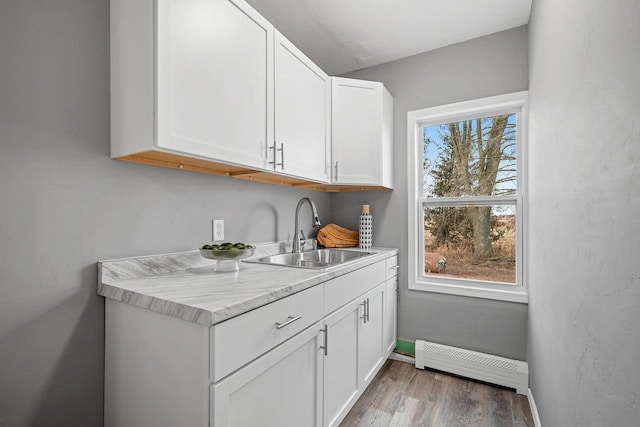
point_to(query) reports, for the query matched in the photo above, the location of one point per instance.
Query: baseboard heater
(472, 364)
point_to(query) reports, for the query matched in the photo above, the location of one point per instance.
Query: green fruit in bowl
(227, 250)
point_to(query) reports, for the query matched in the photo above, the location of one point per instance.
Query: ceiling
(346, 35)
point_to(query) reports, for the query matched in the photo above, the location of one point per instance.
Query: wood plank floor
(401, 395)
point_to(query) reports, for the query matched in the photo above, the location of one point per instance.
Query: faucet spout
(298, 236)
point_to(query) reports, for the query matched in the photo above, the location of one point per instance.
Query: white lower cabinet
(156, 369)
(341, 383)
(371, 353)
(261, 330)
(390, 315)
(355, 353)
(282, 388)
(300, 361)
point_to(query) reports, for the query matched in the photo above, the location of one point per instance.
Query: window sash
(470, 201)
(416, 121)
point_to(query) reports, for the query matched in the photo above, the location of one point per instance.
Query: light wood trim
(176, 161)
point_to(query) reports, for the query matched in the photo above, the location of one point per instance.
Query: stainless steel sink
(318, 259)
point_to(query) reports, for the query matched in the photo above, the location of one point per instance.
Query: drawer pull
(288, 322)
(395, 267)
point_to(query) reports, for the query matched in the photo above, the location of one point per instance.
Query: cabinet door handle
(288, 322)
(364, 311)
(326, 339)
(282, 155)
(395, 267)
(274, 156)
(367, 307)
(281, 150)
(335, 177)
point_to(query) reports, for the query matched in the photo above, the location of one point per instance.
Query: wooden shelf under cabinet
(176, 161)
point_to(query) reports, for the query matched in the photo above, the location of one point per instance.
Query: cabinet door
(390, 315)
(282, 388)
(341, 362)
(214, 74)
(356, 131)
(302, 114)
(370, 353)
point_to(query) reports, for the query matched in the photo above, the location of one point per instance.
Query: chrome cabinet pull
(367, 307)
(281, 150)
(282, 155)
(364, 311)
(288, 322)
(395, 267)
(335, 178)
(274, 156)
(326, 339)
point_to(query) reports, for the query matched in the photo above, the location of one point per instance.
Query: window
(465, 166)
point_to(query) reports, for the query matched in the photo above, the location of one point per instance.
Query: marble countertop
(186, 285)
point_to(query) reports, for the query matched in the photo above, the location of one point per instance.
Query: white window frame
(416, 120)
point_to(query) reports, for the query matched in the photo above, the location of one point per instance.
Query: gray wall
(584, 339)
(64, 204)
(486, 66)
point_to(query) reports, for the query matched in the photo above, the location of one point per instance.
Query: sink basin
(318, 259)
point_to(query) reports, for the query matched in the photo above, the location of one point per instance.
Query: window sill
(511, 295)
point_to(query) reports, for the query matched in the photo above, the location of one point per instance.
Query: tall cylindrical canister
(366, 228)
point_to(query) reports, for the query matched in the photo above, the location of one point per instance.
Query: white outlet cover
(218, 230)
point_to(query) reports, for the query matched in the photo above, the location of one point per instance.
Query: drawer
(239, 340)
(343, 289)
(391, 267)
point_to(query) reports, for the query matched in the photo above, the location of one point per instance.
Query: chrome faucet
(298, 235)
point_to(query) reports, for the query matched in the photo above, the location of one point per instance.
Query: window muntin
(500, 274)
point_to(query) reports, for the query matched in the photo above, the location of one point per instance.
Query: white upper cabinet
(302, 114)
(362, 133)
(211, 86)
(191, 77)
(214, 68)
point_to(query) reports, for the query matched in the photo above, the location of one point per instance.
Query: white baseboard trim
(402, 358)
(534, 409)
